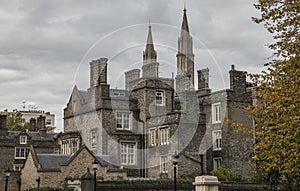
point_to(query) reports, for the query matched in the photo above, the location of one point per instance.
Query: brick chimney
(237, 80)
(32, 126)
(98, 72)
(3, 129)
(41, 125)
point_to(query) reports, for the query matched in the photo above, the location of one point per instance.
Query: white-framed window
(48, 121)
(74, 146)
(217, 162)
(164, 136)
(163, 164)
(152, 137)
(21, 152)
(123, 120)
(17, 167)
(159, 98)
(127, 153)
(216, 113)
(217, 140)
(23, 140)
(94, 138)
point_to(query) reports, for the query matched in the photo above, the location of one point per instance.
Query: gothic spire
(185, 58)
(184, 25)
(149, 54)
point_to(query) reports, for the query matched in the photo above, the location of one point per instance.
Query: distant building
(144, 125)
(27, 115)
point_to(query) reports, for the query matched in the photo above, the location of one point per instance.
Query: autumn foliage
(276, 108)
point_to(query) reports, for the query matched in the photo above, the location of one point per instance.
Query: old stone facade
(15, 145)
(144, 125)
(55, 170)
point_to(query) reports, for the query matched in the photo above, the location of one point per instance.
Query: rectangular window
(217, 140)
(127, 153)
(21, 153)
(159, 98)
(163, 164)
(152, 137)
(123, 120)
(17, 167)
(23, 139)
(164, 136)
(217, 163)
(48, 121)
(74, 146)
(93, 138)
(216, 113)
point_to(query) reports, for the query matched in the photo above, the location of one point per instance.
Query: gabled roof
(51, 162)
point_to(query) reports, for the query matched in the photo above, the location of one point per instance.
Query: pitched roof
(51, 161)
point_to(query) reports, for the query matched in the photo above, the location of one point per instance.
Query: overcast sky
(46, 46)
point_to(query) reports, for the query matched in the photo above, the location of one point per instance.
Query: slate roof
(51, 161)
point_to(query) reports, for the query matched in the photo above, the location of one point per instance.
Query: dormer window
(23, 139)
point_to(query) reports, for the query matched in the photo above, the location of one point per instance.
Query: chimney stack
(32, 126)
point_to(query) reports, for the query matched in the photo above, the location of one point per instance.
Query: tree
(277, 131)
(14, 122)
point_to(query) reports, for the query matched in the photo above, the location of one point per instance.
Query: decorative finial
(149, 23)
(184, 9)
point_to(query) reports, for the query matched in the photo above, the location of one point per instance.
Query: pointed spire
(149, 54)
(184, 25)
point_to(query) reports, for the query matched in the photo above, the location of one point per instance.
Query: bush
(226, 174)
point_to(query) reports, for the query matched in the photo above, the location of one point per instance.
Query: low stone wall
(147, 185)
(167, 185)
(236, 186)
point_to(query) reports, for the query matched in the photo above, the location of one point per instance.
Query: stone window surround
(127, 154)
(164, 135)
(216, 113)
(163, 163)
(217, 140)
(217, 162)
(122, 118)
(160, 98)
(21, 152)
(93, 138)
(152, 137)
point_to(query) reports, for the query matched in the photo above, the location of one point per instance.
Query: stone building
(59, 171)
(15, 145)
(152, 119)
(29, 115)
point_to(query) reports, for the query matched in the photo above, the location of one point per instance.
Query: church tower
(150, 65)
(185, 58)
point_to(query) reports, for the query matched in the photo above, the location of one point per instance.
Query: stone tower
(185, 58)
(150, 65)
